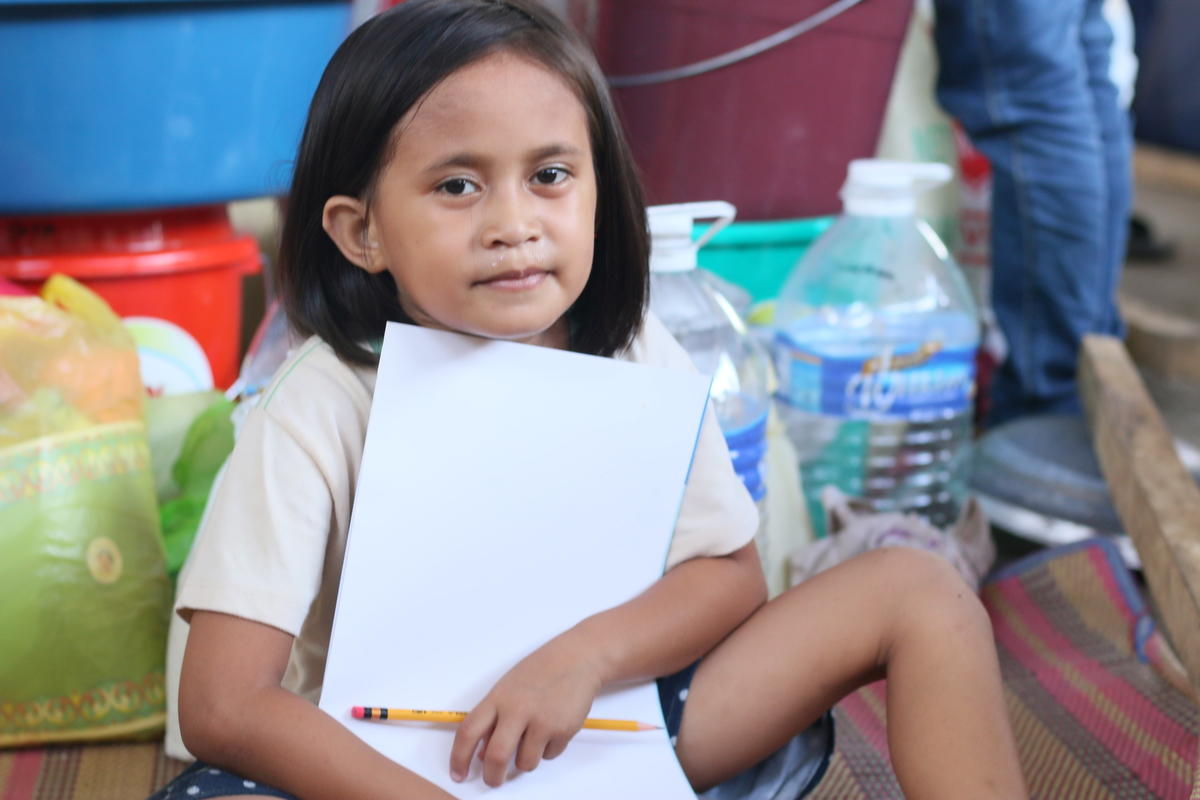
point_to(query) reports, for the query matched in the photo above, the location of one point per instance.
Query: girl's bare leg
(897, 613)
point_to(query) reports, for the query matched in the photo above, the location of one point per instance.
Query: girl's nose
(511, 220)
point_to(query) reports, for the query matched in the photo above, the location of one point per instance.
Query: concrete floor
(1173, 285)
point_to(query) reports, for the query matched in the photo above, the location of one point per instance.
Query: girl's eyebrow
(468, 160)
(464, 160)
(552, 150)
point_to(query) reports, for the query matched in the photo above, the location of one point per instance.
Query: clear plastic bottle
(875, 340)
(704, 321)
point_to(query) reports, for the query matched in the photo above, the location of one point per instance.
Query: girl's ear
(346, 221)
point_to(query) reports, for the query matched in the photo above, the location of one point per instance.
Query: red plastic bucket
(181, 265)
(771, 134)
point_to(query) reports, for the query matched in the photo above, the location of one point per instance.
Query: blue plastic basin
(121, 105)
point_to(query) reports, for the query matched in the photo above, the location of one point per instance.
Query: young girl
(462, 168)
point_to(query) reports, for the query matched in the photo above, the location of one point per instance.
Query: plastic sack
(915, 128)
(84, 595)
(202, 450)
(208, 442)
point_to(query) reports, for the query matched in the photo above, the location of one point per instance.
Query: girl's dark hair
(382, 69)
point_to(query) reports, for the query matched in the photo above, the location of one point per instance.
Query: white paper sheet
(506, 492)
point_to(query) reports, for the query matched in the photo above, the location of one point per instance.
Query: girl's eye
(458, 187)
(550, 176)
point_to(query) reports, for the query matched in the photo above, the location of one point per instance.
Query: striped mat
(1099, 703)
(95, 772)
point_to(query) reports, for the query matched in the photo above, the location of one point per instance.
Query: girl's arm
(535, 709)
(677, 620)
(234, 714)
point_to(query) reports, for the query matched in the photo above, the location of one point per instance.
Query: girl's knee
(914, 568)
(927, 592)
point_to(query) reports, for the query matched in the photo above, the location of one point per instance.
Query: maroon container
(772, 134)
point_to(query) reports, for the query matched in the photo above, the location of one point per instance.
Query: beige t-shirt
(271, 544)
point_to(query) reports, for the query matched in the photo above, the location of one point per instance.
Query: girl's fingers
(501, 748)
(530, 752)
(555, 747)
(471, 731)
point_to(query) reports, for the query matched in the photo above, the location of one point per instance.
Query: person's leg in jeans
(1017, 75)
(1116, 135)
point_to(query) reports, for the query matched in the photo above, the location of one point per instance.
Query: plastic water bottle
(704, 321)
(875, 340)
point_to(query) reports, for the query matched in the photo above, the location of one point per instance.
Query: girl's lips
(515, 280)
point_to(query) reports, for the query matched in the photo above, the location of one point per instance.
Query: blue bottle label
(905, 382)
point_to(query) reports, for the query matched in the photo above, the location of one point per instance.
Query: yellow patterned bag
(84, 596)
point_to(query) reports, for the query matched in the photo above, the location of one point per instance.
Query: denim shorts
(791, 772)
(200, 781)
(788, 774)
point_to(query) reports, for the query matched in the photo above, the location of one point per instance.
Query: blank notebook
(506, 492)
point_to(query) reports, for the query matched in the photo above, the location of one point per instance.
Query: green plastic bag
(208, 442)
(84, 595)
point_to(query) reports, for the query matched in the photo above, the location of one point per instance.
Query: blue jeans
(1028, 80)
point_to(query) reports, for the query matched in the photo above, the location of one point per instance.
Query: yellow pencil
(421, 715)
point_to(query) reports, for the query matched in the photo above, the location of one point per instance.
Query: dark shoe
(1143, 246)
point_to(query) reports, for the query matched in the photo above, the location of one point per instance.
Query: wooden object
(1157, 499)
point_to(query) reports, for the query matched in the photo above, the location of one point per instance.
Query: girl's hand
(531, 713)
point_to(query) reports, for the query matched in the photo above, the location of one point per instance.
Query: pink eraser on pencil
(356, 712)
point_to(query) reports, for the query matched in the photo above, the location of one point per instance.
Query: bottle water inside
(702, 319)
(875, 339)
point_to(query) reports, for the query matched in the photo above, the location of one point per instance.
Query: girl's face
(485, 214)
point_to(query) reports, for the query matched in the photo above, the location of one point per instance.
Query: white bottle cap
(671, 245)
(878, 188)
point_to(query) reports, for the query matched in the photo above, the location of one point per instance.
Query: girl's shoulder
(312, 379)
(655, 345)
